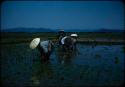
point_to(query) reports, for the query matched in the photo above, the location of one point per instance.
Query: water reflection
(103, 65)
(41, 72)
(65, 57)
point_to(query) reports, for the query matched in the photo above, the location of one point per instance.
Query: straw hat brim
(34, 43)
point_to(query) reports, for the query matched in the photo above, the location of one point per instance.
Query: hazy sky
(63, 14)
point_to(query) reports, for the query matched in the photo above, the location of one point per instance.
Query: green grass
(27, 37)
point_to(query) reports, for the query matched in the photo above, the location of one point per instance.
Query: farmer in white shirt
(44, 47)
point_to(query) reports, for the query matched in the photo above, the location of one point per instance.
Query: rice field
(102, 65)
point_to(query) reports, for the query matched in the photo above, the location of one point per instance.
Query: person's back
(67, 43)
(45, 48)
(44, 45)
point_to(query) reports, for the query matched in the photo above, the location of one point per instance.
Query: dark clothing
(45, 56)
(61, 34)
(69, 44)
(59, 40)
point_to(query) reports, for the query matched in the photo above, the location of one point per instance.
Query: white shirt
(62, 40)
(44, 45)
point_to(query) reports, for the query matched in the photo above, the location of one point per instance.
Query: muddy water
(102, 65)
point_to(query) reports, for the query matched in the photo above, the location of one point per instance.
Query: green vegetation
(97, 56)
(116, 60)
(27, 37)
(24, 37)
(94, 35)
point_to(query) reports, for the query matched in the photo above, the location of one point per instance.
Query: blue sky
(63, 14)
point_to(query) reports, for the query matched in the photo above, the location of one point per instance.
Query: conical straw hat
(34, 43)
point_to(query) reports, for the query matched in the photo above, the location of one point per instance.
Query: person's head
(74, 36)
(61, 33)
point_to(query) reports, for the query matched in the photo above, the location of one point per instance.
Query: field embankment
(114, 37)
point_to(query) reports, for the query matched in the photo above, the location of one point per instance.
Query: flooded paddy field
(102, 65)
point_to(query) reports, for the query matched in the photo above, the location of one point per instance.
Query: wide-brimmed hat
(34, 43)
(62, 30)
(74, 35)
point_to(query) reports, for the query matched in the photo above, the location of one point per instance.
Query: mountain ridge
(22, 29)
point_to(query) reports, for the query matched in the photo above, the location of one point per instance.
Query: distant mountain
(94, 30)
(27, 30)
(109, 30)
(56, 30)
(76, 30)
